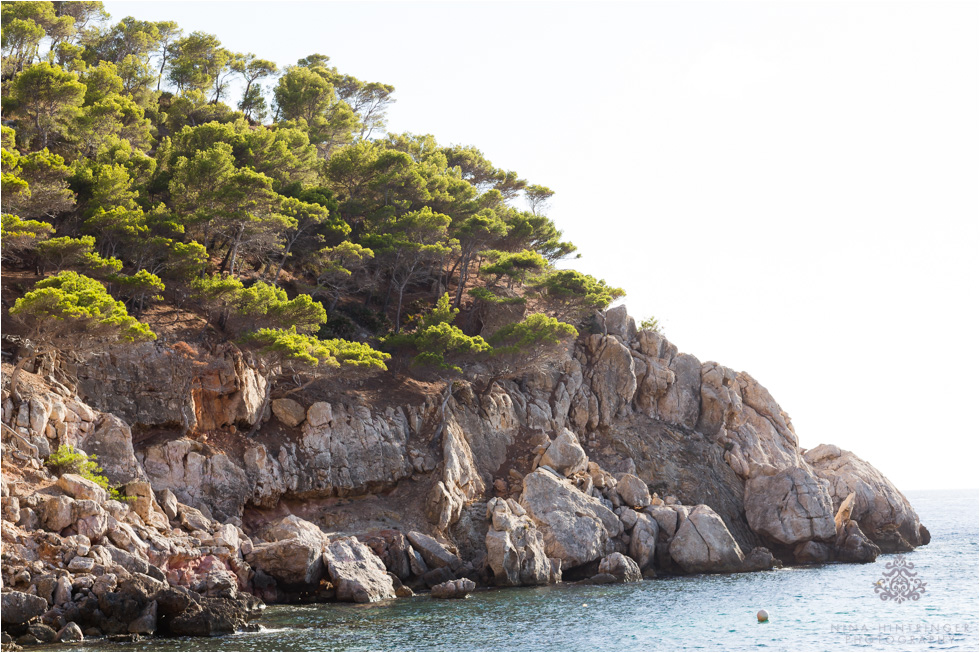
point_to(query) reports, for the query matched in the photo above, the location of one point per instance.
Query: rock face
(355, 570)
(790, 507)
(703, 544)
(619, 458)
(881, 511)
(577, 528)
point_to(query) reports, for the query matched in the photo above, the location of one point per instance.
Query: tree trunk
(398, 314)
(18, 368)
(285, 255)
(234, 251)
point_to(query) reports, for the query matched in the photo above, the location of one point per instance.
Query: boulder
(667, 519)
(453, 589)
(577, 528)
(515, 548)
(703, 544)
(643, 541)
(790, 506)
(633, 491)
(760, 559)
(288, 411)
(620, 324)
(146, 623)
(434, 553)
(623, 568)
(57, 513)
(565, 455)
(209, 617)
(19, 608)
(70, 633)
(192, 519)
(168, 502)
(82, 488)
(319, 414)
(356, 572)
(292, 554)
(852, 545)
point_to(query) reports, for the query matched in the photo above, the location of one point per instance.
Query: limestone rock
(82, 488)
(565, 455)
(643, 541)
(882, 512)
(852, 545)
(577, 528)
(58, 513)
(812, 553)
(667, 519)
(293, 553)
(789, 507)
(168, 502)
(356, 572)
(515, 548)
(70, 633)
(620, 324)
(703, 544)
(319, 414)
(19, 608)
(612, 377)
(461, 481)
(623, 568)
(288, 411)
(844, 512)
(453, 589)
(634, 492)
(112, 441)
(435, 554)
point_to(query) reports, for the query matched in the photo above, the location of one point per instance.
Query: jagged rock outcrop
(577, 528)
(880, 509)
(515, 548)
(589, 466)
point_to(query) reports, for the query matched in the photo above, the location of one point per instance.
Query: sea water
(828, 607)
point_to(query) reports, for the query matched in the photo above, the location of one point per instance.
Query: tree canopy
(148, 170)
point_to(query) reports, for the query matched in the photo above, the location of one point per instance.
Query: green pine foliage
(133, 177)
(68, 461)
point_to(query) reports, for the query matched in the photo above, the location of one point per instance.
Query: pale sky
(792, 188)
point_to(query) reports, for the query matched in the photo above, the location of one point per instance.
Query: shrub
(652, 324)
(68, 461)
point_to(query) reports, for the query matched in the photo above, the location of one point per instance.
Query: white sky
(792, 188)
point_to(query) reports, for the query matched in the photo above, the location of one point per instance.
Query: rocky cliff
(621, 458)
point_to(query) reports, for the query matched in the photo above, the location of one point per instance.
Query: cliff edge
(620, 458)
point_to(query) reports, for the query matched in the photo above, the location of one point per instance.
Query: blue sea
(825, 608)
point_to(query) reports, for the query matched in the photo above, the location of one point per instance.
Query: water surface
(829, 607)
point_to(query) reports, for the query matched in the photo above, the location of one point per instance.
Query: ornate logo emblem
(899, 582)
